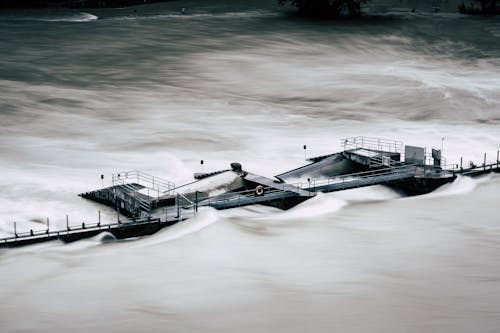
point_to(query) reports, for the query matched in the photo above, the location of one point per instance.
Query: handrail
(242, 197)
(245, 194)
(179, 196)
(372, 143)
(362, 175)
(75, 229)
(150, 181)
(301, 186)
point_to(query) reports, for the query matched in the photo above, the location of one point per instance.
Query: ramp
(271, 183)
(362, 179)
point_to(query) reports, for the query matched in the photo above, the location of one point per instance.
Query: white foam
(461, 185)
(80, 17)
(321, 204)
(369, 193)
(204, 218)
(190, 16)
(86, 243)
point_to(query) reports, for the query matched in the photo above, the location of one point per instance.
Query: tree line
(352, 8)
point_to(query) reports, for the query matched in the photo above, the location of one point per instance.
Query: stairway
(125, 196)
(380, 160)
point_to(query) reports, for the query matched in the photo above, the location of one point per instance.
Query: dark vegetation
(480, 7)
(327, 8)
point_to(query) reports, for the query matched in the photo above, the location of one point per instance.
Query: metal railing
(246, 197)
(311, 186)
(156, 184)
(72, 229)
(372, 143)
(365, 177)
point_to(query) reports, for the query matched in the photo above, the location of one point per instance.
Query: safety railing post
(177, 205)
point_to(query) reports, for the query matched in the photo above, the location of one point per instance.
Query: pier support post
(48, 225)
(15, 229)
(67, 222)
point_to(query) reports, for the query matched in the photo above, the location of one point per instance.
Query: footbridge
(274, 192)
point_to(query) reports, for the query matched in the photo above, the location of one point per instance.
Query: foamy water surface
(148, 88)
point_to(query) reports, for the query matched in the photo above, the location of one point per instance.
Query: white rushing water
(85, 94)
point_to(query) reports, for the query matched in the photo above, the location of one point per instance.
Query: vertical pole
(117, 212)
(498, 155)
(461, 159)
(99, 217)
(196, 201)
(67, 222)
(442, 146)
(48, 225)
(166, 214)
(15, 229)
(484, 161)
(178, 208)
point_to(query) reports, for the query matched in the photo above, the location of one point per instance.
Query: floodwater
(147, 88)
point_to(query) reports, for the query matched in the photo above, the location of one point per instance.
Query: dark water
(84, 94)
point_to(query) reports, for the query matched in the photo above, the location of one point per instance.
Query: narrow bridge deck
(271, 183)
(277, 191)
(125, 229)
(362, 179)
(242, 199)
